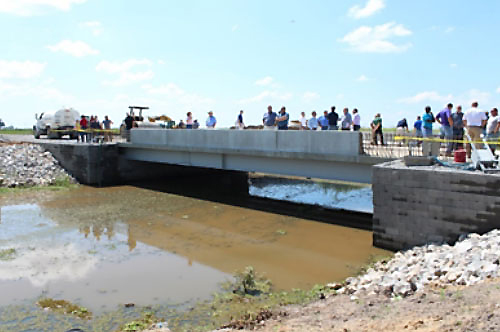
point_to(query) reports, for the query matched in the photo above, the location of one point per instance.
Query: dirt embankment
(456, 308)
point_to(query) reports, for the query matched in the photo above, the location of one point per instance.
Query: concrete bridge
(332, 155)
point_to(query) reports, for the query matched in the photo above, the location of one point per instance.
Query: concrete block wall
(419, 205)
(102, 165)
(316, 142)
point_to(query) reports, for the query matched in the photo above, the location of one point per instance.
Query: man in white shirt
(474, 120)
(356, 121)
(303, 121)
(492, 129)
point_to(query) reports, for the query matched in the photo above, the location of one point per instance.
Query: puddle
(105, 247)
(330, 194)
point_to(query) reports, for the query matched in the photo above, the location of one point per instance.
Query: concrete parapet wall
(310, 142)
(419, 205)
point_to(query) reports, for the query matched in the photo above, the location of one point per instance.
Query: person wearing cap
(211, 120)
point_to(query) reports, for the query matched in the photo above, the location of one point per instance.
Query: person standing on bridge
(239, 121)
(474, 120)
(377, 129)
(428, 119)
(323, 121)
(282, 119)
(346, 120)
(356, 121)
(107, 126)
(211, 120)
(303, 121)
(83, 128)
(333, 119)
(269, 119)
(458, 127)
(444, 118)
(313, 122)
(189, 120)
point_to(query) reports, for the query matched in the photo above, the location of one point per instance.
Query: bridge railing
(394, 146)
(309, 143)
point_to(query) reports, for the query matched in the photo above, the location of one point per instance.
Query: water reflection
(103, 247)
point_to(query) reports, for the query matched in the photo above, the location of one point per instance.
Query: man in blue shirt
(444, 118)
(313, 122)
(418, 127)
(211, 120)
(282, 119)
(323, 121)
(269, 119)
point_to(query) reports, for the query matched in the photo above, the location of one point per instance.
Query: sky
(387, 56)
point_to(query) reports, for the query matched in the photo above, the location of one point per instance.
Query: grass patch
(7, 254)
(65, 307)
(61, 183)
(242, 304)
(147, 320)
(17, 131)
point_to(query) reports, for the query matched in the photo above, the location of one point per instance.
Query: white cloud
(264, 81)
(44, 90)
(35, 7)
(426, 96)
(235, 27)
(370, 8)
(453, 65)
(161, 62)
(174, 92)
(127, 78)
(376, 39)
(74, 48)
(362, 78)
(94, 26)
(465, 98)
(125, 71)
(310, 96)
(20, 69)
(114, 67)
(266, 95)
(449, 30)
(498, 89)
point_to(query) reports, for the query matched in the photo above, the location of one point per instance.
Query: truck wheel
(36, 134)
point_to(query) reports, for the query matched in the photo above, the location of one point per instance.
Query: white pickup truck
(56, 124)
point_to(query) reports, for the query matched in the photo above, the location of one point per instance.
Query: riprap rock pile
(26, 165)
(468, 262)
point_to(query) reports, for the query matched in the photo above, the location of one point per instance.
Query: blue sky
(387, 56)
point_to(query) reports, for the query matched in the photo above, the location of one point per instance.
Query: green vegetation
(61, 183)
(26, 131)
(145, 322)
(245, 301)
(7, 254)
(65, 307)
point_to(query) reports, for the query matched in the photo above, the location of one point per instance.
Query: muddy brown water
(102, 247)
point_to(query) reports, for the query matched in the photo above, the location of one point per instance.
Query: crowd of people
(452, 124)
(88, 128)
